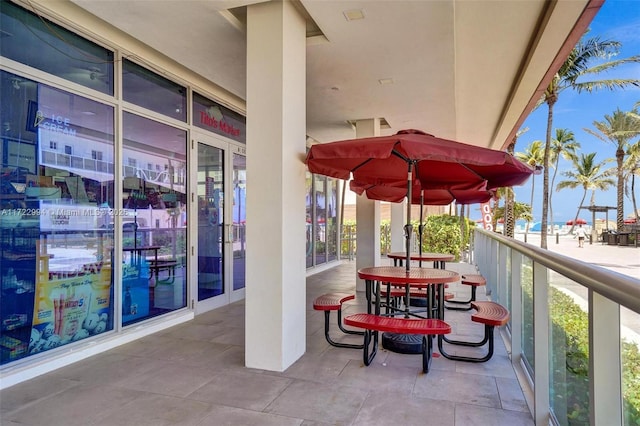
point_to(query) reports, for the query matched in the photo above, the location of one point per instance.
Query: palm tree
(533, 155)
(501, 193)
(634, 165)
(587, 174)
(521, 211)
(576, 67)
(510, 218)
(632, 168)
(563, 145)
(619, 129)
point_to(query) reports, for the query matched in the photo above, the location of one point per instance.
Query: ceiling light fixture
(384, 81)
(353, 14)
(94, 73)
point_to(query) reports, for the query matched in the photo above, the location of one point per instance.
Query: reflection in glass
(630, 333)
(216, 118)
(569, 346)
(41, 44)
(509, 281)
(309, 220)
(210, 221)
(239, 220)
(332, 219)
(527, 314)
(55, 242)
(149, 90)
(154, 218)
(320, 219)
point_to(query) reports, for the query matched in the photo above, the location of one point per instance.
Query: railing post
(605, 366)
(501, 275)
(541, 376)
(516, 310)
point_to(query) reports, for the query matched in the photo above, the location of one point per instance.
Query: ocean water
(536, 226)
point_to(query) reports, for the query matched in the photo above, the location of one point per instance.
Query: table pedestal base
(402, 343)
(419, 302)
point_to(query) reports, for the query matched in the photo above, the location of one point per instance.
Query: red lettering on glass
(222, 125)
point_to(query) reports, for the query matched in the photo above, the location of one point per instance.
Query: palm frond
(611, 84)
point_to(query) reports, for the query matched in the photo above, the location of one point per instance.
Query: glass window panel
(149, 90)
(211, 174)
(630, 333)
(320, 241)
(239, 220)
(154, 219)
(569, 346)
(39, 43)
(527, 313)
(310, 218)
(509, 280)
(332, 219)
(55, 234)
(216, 118)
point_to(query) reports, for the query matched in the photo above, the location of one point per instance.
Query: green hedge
(442, 234)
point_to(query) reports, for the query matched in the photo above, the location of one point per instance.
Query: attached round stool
(473, 280)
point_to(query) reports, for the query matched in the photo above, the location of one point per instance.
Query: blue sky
(616, 20)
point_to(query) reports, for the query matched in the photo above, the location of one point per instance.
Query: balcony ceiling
(464, 70)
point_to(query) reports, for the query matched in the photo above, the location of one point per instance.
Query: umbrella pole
(420, 227)
(408, 228)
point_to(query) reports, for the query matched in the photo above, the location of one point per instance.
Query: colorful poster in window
(136, 290)
(71, 306)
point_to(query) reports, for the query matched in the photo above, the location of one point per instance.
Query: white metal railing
(514, 269)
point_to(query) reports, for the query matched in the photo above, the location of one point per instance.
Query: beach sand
(622, 259)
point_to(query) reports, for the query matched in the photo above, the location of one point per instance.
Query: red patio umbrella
(629, 220)
(579, 221)
(412, 155)
(431, 197)
(437, 163)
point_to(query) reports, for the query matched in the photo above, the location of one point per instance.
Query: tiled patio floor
(194, 374)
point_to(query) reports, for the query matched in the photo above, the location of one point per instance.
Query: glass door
(237, 240)
(220, 206)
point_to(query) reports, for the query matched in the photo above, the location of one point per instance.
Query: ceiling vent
(384, 124)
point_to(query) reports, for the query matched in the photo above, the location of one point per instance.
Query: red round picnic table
(433, 279)
(438, 259)
(415, 277)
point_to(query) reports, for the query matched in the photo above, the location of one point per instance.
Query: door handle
(229, 233)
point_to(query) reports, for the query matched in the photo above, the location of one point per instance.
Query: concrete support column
(276, 127)
(367, 214)
(398, 219)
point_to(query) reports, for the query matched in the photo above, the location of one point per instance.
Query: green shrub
(443, 234)
(348, 230)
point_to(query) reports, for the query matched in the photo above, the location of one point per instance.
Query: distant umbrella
(578, 222)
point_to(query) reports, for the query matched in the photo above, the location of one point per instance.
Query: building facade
(124, 195)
